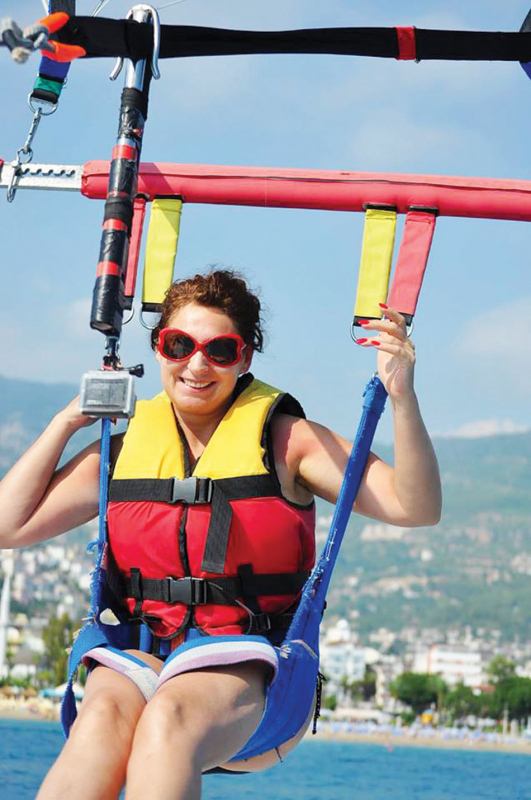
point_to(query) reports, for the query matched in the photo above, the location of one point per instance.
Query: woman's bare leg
(93, 762)
(194, 722)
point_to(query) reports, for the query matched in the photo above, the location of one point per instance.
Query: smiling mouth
(197, 384)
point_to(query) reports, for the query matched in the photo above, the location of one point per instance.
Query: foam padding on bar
(412, 260)
(376, 258)
(161, 249)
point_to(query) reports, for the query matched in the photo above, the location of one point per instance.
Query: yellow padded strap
(376, 258)
(161, 249)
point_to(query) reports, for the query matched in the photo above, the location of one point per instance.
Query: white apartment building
(341, 657)
(453, 664)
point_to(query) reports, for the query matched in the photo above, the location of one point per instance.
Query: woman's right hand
(73, 417)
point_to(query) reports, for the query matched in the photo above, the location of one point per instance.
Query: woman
(159, 732)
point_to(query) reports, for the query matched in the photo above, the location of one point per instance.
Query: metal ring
(46, 108)
(130, 317)
(144, 325)
(353, 333)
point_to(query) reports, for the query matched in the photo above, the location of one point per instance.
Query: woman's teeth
(196, 384)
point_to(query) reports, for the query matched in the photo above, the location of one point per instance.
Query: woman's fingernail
(382, 305)
(376, 344)
(361, 341)
(363, 322)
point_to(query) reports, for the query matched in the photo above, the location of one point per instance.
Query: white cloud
(486, 427)
(77, 316)
(391, 139)
(502, 334)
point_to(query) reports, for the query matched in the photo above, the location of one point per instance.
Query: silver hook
(142, 10)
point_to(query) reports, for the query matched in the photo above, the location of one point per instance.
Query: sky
(473, 324)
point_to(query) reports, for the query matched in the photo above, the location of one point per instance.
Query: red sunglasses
(223, 351)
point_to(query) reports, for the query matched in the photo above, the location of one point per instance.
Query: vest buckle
(261, 623)
(191, 491)
(189, 591)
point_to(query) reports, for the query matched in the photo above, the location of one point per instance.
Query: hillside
(474, 568)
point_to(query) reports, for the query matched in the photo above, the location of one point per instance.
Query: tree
(418, 690)
(57, 637)
(365, 689)
(460, 702)
(514, 694)
(500, 669)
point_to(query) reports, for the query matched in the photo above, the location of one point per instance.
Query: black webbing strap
(217, 539)
(218, 591)
(102, 37)
(192, 491)
(221, 515)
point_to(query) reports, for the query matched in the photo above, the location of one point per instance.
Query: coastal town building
(452, 664)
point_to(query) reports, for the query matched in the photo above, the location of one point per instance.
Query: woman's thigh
(215, 710)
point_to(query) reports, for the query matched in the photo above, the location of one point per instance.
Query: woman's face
(197, 386)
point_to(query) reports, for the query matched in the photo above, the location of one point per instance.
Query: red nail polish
(382, 305)
(376, 344)
(361, 341)
(363, 322)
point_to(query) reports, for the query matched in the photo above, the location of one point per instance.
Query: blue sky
(325, 112)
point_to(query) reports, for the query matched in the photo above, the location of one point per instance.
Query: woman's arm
(407, 494)
(36, 500)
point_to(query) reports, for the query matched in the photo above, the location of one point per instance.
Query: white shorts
(197, 652)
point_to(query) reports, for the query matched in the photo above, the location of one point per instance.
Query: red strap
(411, 262)
(134, 248)
(407, 44)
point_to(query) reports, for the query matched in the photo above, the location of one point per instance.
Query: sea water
(316, 770)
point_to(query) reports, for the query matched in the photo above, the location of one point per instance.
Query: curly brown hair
(223, 289)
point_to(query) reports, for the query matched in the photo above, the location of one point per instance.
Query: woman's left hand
(396, 353)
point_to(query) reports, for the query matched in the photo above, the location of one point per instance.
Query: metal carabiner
(155, 19)
(24, 156)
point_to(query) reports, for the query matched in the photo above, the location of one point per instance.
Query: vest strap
(192, 491)
(219, 591)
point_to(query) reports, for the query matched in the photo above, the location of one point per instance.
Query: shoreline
(38, 712)
(518, 745)
(30, 710)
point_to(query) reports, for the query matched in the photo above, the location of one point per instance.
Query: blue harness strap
(93, 633)
(289, 699)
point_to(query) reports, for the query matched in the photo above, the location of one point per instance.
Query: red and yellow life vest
(218, 548)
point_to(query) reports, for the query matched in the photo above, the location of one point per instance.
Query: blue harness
(289, 699)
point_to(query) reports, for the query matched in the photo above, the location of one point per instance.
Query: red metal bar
(319, 189)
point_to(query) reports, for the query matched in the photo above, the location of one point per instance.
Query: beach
(35, 709)
(442, 738)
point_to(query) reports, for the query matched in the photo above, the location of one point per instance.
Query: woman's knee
(110, 708)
